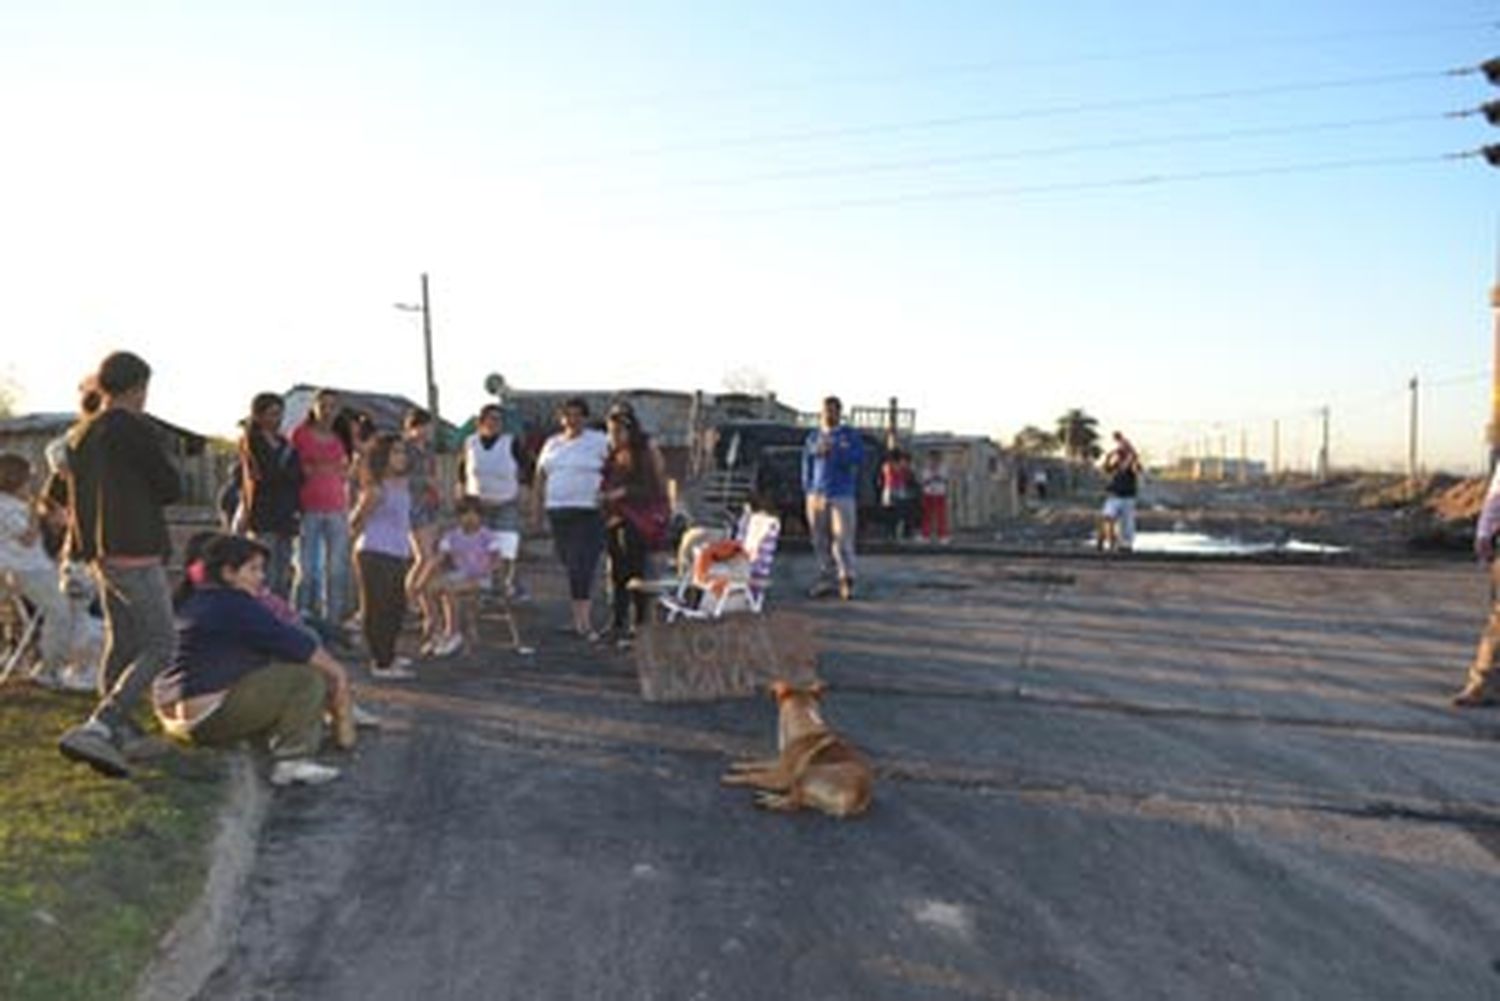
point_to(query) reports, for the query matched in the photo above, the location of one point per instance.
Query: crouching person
(240, 672)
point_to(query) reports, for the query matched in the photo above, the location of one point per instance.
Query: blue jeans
(279, 563)
(323, 565)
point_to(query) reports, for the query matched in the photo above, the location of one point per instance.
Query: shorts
(455, 580)
(501, 517)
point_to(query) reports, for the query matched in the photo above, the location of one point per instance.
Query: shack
(981, 477)
(29, 435)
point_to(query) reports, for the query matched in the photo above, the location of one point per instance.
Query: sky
(1194, 221)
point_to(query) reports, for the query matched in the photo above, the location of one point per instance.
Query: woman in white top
(569, 472)
(34, 573)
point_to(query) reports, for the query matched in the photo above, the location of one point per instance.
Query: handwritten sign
(737, 656)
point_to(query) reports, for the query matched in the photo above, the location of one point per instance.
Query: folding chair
(726, 576)
(19, 625)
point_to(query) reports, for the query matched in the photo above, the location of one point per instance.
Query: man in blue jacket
(831, 462)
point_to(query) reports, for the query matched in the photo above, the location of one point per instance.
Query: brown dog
(816, 767)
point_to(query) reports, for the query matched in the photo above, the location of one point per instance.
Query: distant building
(387, 410)
(29, 434)
(981, 477)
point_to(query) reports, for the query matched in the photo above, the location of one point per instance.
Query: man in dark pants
(119, 481)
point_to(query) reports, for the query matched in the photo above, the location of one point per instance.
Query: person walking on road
(119, 482)
(831, 460)
(1482, 688)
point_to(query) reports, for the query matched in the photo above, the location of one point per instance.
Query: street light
(425, 308)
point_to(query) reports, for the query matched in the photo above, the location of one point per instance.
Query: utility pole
(1323, 451)
(1244, 459)
(1411, 436)
(432, 391)
(1275, 448)
(1223, 456)
(425, 308)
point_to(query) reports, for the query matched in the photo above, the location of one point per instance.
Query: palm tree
(1079, 434)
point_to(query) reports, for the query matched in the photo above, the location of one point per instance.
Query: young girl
(381, 523)
(426, 509)
(34, 573)
(635, 519)
(935, 499)
(468, 558)
(240, 672)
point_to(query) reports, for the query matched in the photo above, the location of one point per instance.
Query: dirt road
(1096, 781)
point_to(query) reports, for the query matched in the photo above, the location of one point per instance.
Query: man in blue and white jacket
(832, 458)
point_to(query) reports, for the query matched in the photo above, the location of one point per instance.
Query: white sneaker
(301, 771)
(448, 645)
(364, 718)
(396, 672)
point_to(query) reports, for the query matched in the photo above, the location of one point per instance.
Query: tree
(1079, 434)
(9, 394)
(1032, 440)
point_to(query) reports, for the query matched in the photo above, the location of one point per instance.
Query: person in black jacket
(119, 482)
(270, 483)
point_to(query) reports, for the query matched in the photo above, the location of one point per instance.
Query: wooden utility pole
(1411, 435)
(1323, 450)
(432, 390)
(1275, 448)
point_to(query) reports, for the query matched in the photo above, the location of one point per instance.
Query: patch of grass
(93, 871)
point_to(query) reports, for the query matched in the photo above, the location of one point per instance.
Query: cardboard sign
(734, 657)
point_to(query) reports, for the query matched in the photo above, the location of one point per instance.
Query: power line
(957, 121)
(986, 66)
(921, 163)
(1143, 181)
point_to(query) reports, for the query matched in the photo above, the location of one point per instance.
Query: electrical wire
(923, 163)
(958, 121)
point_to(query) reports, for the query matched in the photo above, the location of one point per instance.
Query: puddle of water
(1200, 544)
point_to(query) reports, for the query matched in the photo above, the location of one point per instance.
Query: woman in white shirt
(569, 472)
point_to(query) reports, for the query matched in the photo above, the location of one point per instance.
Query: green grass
(92, 870)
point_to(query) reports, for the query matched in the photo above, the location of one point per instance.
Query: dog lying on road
(816, 767)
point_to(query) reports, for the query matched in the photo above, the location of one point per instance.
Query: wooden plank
(734, 657)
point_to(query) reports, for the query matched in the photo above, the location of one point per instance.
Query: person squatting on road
(119, 482)
(831, 460)
(240, 672)
(1482, 687)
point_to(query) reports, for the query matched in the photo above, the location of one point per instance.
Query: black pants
(627, 559)
(382, 589)
(578, 537)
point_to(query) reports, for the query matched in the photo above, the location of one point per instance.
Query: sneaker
(93, 744)
(846, 589)
(822, 589)
(301, 771)
(396, 672)
(517, 592)
(448, 645)
(429, 646)
(364, 718)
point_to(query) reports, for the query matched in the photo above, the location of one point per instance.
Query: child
(35, 575)
(468, 556)
(935, 499)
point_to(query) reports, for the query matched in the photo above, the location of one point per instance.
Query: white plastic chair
(19, 624)
(744, 589)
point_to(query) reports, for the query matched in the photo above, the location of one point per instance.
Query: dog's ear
(780, 689)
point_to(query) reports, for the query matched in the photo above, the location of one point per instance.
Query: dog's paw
(775, 801)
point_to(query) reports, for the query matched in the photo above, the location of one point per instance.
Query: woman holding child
(241, 672)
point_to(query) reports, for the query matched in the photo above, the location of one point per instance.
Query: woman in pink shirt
(323, 545)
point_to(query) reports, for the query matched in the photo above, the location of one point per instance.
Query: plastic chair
(729, 575)
(19, 624)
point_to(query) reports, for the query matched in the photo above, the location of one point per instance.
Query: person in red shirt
(323, 544)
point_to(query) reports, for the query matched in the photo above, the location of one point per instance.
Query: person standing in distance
(831, 461)
(119, 481)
